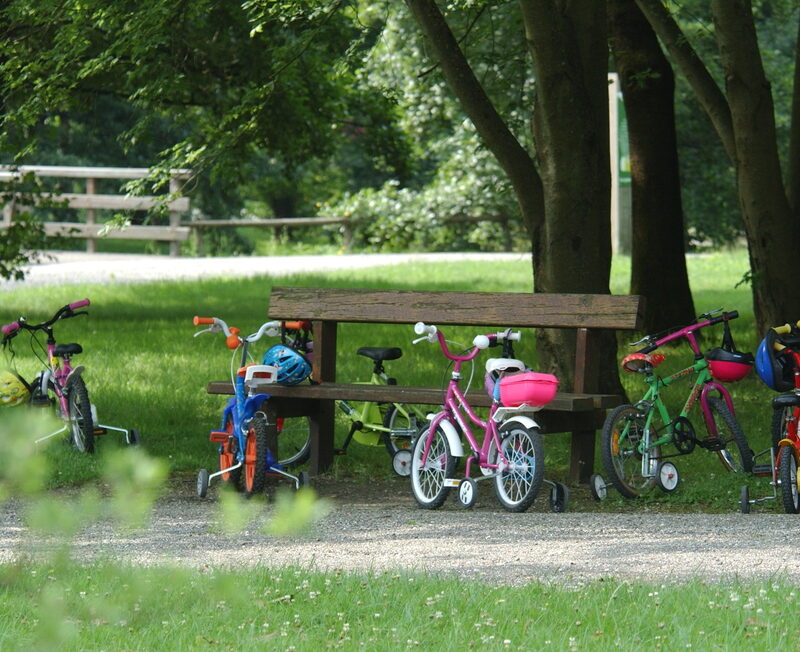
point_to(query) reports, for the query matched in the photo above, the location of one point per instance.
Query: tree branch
(711, 97)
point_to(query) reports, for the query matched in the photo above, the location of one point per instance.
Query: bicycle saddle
(789, 399)
(380, 353)
(636, 362)
(67, 349)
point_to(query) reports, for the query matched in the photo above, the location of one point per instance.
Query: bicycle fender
(453, 440)
(788, 443)
(252, 403)
(76, 371)
(522, 420)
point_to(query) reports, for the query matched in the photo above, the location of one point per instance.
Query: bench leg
(582, 456)
(322, 431)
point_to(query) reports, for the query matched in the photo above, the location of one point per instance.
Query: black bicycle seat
(67, 349)
(789, 399)
(379, 353)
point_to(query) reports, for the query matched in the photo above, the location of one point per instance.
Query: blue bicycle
(245, 459)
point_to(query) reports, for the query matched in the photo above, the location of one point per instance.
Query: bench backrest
(458, 308)
(325, 307)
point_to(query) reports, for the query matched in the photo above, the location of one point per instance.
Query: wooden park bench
(579, 412)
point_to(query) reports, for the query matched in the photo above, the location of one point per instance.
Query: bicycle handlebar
(232, 338)
(687, 330)
(432, 334)
(65, 312)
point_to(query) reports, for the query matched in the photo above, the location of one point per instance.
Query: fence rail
(178, 230)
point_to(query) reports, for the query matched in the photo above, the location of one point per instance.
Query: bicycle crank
(683, 435)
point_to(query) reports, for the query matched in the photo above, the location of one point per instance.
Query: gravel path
(382, 529)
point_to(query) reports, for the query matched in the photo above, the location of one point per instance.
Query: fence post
(174, 216)
(91, 243)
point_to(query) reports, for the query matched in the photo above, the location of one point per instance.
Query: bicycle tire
(428, 482)
(787, 474)
(254, 474)
(622, 461)
(294, 441)
(399, 418)
(738, 458)
(79, 415)
(227, 458)
(778, 427)
(522, 446)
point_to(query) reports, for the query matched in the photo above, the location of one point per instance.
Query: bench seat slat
(563, 401)
(457, 308)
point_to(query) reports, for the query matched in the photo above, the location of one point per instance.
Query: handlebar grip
(421, 328)
(78, 304)
(10, 329)
(783, 330)
(648, 349)
(202, 320)
(482, 341)
(297, 325)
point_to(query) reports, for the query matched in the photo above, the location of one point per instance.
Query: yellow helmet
(13, 390)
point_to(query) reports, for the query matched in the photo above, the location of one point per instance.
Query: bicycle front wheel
(736, 455)
(294, 441)
(254, 476)
(787, 473)
(80, 415)
(779, 428)
(428, 479)
(402, 426)
(623, 432)
(517, 485)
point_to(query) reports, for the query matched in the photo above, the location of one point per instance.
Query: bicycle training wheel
(254, 477)
(516, 486)
(736, 456)
(294, 440)
(80, 415)
(428, 480)
(402, 424)
(227, 457)
(787, 473)
(623, 431)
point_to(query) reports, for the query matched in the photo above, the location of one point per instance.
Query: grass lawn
(145, 370)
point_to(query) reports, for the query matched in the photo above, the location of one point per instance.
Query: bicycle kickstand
(357, 425)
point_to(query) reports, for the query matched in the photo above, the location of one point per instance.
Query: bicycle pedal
(99, 431)
(762, 469)
(40, 401)
(219, 436)
(340, 451)
(711, 444)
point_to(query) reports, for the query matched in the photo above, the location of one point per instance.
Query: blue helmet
(772, 366)
(292, 367)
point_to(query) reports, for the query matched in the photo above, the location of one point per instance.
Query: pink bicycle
(511, 453)
(59, 385)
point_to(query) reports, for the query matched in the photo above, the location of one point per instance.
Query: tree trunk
(772, 233)
(658, 260)
(570, 126)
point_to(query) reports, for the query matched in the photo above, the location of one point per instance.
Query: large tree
(743, 117)
(658, 259)
(563, 187)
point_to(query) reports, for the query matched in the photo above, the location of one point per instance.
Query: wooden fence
(178, 229)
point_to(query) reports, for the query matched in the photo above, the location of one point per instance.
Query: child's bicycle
(511, 453)
(58, 385)
(778, 365)
(634, 435)
(393, 425)
(245, 459)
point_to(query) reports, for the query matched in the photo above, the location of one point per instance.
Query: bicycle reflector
(13, 390)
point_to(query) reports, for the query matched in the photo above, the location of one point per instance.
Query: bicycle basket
(13, 389)
(773, 367)
(528, 388)
(292, 367)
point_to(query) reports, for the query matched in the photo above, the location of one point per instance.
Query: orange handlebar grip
(232, 341)
(203, 320)
(297, 325)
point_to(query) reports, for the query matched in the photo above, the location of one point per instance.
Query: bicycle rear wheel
(736, 456)
(254, 476)
(294, 440)
(787, 473)
(516, 487)
(402, 424)
(623, 432)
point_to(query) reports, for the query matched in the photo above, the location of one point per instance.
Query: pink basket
(528, 388)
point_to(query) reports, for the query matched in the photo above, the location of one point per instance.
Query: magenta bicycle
(511, 453)
(59, 385)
